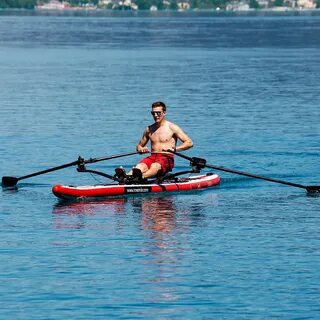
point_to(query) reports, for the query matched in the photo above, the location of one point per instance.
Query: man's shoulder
(150, 127)
(173, 126)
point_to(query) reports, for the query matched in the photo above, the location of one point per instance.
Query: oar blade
(313, 189)
(9, 181)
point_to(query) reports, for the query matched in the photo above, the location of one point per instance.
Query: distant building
(53, 5)
(264, 4)
(125, 5)
(237, 6)
(104, 3)
(306, 4)
(183, 5)
(63, 5)
(289, 3)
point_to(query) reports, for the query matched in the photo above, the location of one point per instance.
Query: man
(163, 135)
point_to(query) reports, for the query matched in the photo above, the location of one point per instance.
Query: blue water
(245, 88)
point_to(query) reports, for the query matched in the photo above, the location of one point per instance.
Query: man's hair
(159, 104)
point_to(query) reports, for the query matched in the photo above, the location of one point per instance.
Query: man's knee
(156, 166)
(142, 166)
(156, 169)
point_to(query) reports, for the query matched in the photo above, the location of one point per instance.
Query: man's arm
(141, 146)
(187, 143)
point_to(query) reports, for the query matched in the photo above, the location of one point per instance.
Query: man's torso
(162, 137)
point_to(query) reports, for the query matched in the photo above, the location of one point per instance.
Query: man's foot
(136, 173)
(136, 176)
(120, 175)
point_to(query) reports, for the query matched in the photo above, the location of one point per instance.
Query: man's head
(158, 111)
(159, 104)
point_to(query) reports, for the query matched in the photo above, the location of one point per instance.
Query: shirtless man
(163, 135)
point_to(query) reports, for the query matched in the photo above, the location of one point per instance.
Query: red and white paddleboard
(110, 190)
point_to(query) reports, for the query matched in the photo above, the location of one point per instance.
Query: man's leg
(142, 166)
(149, 173)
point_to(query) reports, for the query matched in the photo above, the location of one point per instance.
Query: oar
(202, 163)
(115, 156)
(12, 181)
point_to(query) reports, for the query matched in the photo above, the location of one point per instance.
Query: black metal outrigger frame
(196, 164)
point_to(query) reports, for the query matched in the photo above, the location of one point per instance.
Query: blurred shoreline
(282, 11)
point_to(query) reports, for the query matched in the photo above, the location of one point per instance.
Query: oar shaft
(13, 180)
(110, 157)
(246, 173)
(256, 176)
(73, 163)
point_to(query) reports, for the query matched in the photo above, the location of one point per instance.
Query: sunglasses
(156, 113)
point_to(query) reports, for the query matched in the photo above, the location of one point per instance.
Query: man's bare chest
(161, 135)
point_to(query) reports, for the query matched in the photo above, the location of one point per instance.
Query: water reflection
(154, 235)
(89, 207)
(160, 219)
(74, 215)
(158, 213)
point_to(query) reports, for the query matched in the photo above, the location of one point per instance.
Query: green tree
(159, 4)
(201, 4)
(3, 4)
(254, 4)
(278, 3)
(21, 4)
(208, 4)
(173, 5)
(143, 4)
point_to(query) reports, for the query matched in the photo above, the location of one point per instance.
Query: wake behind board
(111, 190)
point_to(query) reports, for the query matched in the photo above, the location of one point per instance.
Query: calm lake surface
(245, 88)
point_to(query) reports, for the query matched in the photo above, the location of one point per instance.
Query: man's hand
(172, 150)
(143, 149)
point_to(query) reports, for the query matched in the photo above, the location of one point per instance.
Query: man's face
(158, 114)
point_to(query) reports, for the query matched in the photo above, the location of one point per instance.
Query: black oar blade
(9, 181)
(313, 189)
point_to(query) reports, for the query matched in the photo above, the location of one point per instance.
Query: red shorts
(165, 160)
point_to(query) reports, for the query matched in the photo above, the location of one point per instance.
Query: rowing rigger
(8, 181)
(196, 163)
(194, 160)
